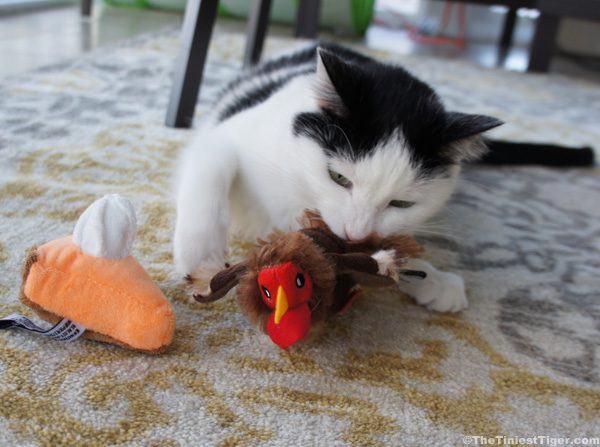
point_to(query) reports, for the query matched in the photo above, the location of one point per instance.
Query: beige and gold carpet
(522, 361)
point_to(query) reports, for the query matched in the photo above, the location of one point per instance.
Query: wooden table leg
(257, 29)
(544, 41)
(198, 23)
(307, 18)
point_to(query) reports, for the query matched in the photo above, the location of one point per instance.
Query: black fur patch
(255, 96)
(262, 92)
(381, 101)
(270, 67)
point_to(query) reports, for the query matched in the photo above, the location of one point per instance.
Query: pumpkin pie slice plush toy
(92, 280)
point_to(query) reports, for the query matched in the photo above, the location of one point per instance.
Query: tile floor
(34, 39)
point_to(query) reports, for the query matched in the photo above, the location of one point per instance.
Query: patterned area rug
(523, 360)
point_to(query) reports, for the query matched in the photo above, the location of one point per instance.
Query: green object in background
(222, 9)
(350, 15)
(128, 3)
(362, 13)
(168, 5)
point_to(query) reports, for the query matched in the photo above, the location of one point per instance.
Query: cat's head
(391, 151)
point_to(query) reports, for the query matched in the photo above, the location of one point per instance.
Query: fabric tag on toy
(64, 330)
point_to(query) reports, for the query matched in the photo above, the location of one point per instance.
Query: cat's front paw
(199, 280)
(194, 245)
(442, 292)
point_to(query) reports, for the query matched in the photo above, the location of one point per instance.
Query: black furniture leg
(198, 23)
(257, 29)
(508, 28)
(507, 35)
(86, 8)
(307, 18)
(544, 41)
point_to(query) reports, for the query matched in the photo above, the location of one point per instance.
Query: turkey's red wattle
(294, 326)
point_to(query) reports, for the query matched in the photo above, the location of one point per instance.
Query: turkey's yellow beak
(281, 304)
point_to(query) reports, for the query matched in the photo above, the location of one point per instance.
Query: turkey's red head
(286, 289)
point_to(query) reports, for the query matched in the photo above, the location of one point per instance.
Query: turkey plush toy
(293, 281)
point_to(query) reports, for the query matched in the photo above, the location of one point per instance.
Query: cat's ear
(460, 130)
(331, 73)
(462, 125)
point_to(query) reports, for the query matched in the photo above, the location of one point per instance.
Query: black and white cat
(366, 144)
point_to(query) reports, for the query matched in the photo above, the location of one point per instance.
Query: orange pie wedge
(115, 299)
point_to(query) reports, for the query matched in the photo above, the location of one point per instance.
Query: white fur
(440, 291)
(386, 175)
(250, 174)
(386, 263)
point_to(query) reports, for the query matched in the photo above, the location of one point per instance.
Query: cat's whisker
(435, 228)
(437, 224)
(343, 133)
(486, 187)
(450, 211)
(445, 235)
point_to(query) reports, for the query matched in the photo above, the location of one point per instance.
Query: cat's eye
(401, 203)
(340, 179)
